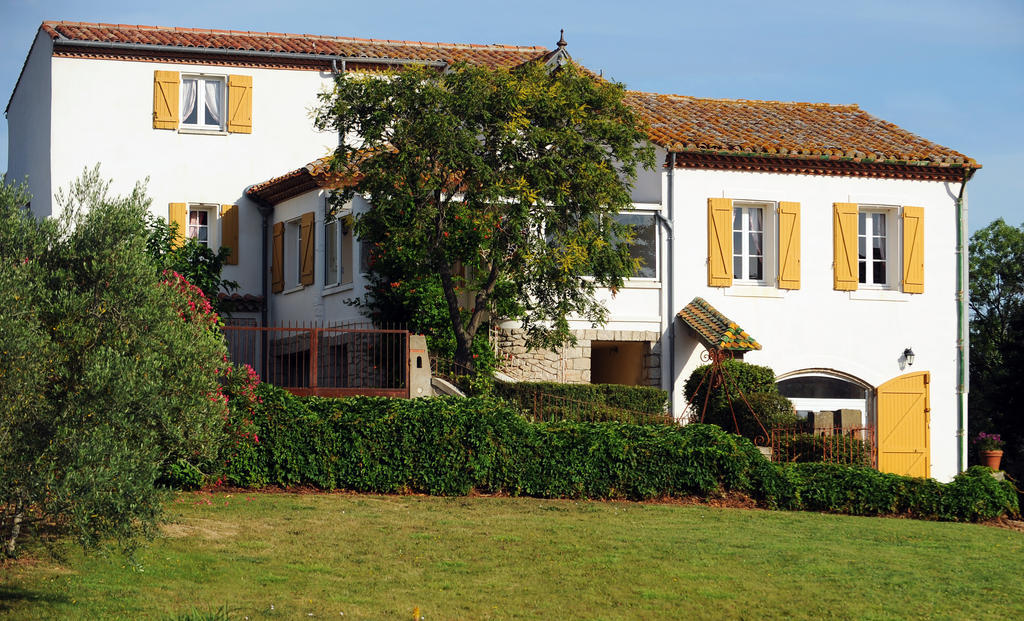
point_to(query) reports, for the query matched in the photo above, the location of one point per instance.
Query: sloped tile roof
(198, 39)
(316, 174)
(785, 129)
(715, 329)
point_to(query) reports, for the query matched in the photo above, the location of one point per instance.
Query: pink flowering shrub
(238, 460)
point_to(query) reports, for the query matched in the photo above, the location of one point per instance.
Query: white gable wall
(28, 126)
(103, 112)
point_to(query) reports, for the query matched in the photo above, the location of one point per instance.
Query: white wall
(28, 122)
(317, 303)
(861, 333)
(102, 112)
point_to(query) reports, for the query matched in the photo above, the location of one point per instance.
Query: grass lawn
(377, 557)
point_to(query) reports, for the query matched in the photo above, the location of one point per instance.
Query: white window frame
(338, 235)
(893, 257)
(292, 268)
(201, 80)
(657, 243)
(769, 243)
(212, 227)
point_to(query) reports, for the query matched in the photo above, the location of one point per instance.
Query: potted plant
(990, 445)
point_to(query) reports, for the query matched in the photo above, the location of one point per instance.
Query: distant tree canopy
(494, 187)
(997, 339)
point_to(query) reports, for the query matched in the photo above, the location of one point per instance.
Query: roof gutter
(216, 51)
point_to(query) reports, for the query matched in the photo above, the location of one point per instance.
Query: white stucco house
(835, 239)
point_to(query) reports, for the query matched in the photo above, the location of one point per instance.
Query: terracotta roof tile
(715, 329)
(784, 129)
(281, 43)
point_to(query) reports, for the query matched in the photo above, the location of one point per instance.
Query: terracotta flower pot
(991, 458)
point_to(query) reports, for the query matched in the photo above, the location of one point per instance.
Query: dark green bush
(973, 495)
(589, 402)
(740, 377)
(810, 447)
(756, 415)
(450, 446)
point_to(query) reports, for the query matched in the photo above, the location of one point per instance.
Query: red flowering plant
(238, 458)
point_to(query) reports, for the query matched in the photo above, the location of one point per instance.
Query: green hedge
(616, 398)
(450, 446)
(741, 377)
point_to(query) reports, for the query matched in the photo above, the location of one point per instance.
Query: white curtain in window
(188, 98)
(213, 102)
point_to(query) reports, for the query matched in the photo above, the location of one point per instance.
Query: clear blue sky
(951, 71)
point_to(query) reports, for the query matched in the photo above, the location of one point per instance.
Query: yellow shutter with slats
(165, 99)
(903, 425)
(229, 231)
(177, 217)
(306, 233)
(240, 104)
(789, 245)
(844, 231)
(719, 242)
(913, 249)
(277, 259)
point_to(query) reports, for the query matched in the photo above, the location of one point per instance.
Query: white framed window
(201, 222)
(203, 102)
(338, 250)
(877, 246)
(645, 241)
(748, 242)
(292, 268)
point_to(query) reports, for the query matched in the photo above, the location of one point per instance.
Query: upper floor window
(873, 253)
(202, 102)
(645, 241)
(748, 243)
(338, 250)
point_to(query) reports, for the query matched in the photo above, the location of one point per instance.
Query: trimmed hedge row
(645, 399)
(448, 446)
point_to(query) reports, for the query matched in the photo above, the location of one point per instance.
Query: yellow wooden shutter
(277, 259)
(903, 425)
(789, 245)
(240, 104)
(719, 242)
(844, 232)
(165, 99)
(913, 249)
(229, 231)
(177, 217)
(306, 234)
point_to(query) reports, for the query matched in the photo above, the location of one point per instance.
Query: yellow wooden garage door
(903, 425)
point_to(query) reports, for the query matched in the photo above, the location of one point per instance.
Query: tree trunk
(11, 540)
(463, 337)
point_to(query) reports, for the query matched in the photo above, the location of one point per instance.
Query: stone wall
(569, 364)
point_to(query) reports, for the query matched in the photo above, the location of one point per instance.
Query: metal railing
(327, 362)
(835, 445)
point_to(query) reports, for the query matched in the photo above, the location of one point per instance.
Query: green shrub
(450, 446)
(588, 402)
(711, 403)
(810, 447)
(973, 495)
(183, 475)
(756, 415)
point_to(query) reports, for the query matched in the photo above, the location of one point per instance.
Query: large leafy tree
(997, 338)
(495, 186)
(108, 369)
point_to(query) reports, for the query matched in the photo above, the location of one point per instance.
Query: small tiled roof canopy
(315, 175)
(716, 330)
(789, 130)
(196, 40)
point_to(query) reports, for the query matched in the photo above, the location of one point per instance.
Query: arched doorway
(822, 390)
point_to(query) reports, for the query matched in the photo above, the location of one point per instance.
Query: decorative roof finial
(561, 39)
